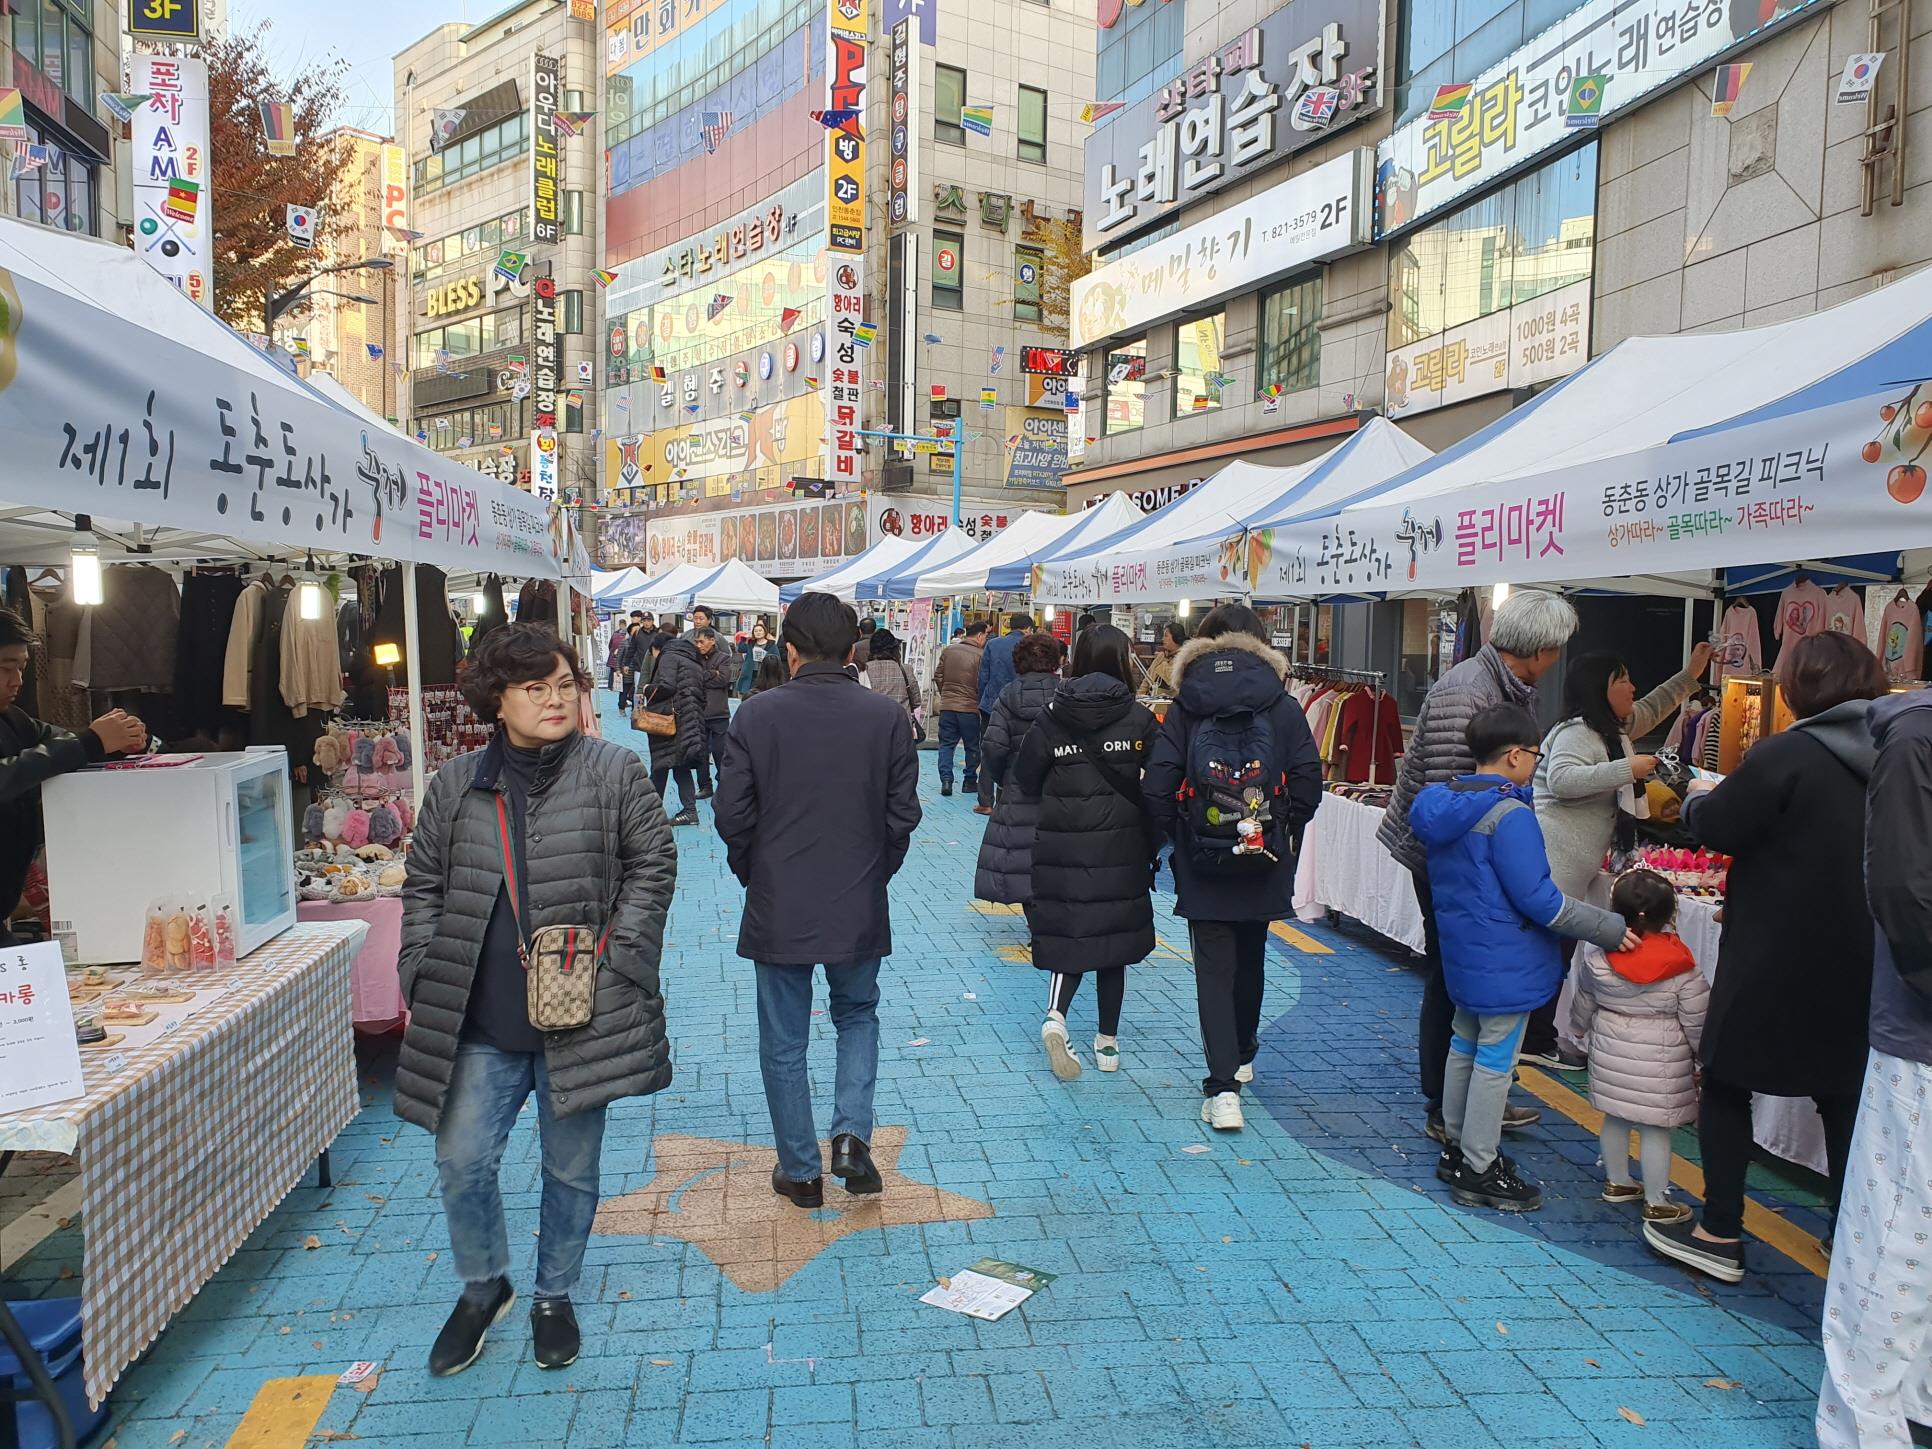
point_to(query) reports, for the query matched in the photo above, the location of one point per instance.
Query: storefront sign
(1517, 108)
(1046, 392)
(37, 1029)
(1535, 341)
(169, 162)
(1049, 361)
(164, 20)
(545, 351)
(446, 299)
(782, 540)
(546, 171)
(1036, 447)
(920, 521)
(906, 125)
(395, 198)
(745, 236)
(1149, 499)
(1322, 213)
(543, 473)
(920, 12)
(844, 388)
(1232, 113)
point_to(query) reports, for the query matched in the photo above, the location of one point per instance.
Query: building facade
(359, 343)
(503, 299)
(62, 55)
(785, 286)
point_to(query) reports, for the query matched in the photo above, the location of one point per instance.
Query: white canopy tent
(940, 549)
(611, 589)
(1012, 554)
(843, 582)
(733, 585)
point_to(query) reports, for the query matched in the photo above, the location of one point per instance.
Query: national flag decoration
(932, 339)
(1449, 101)
(122, 105)
(278, 127)
(1317, 106)
(657, 373)
(183, 200)
(1094, 110)
(516, 362)
(863, 334)
(713, 126)
(604, 278)
(574, 123)
(299, 346)
(1273, 389)
(840, 120)
(787, 318)
(939, 392)
(510, 265)
(27, 159)
(301, 226)
(404, 234)
(573, 399)
(977, 119)
(692, 408)
(443, 121)
(988, 398)
(1585, 108)
(810, 381)
(13, 115)
(1726, 84)
(715, 307)
(375, 351)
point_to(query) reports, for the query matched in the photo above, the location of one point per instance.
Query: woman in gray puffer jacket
(544, 827)
(1005, 869)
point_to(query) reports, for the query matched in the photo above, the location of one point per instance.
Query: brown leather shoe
(799, 1194)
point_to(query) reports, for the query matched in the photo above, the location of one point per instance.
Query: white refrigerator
(118, 839)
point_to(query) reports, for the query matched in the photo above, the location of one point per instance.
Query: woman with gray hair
(1530, 630)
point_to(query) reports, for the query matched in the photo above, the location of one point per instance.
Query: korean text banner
(845, 83)
(115, 418)
(1317, 215)
(546, 167)
(173, 199)
(1516, 108)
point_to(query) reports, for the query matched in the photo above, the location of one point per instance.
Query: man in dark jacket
(996, 665)
(1530, 629)
(955, 684)
(720, 663)
(1879, 1298)
(817, 813)
(31, 752)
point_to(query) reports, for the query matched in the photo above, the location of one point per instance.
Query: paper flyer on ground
(990, 1289)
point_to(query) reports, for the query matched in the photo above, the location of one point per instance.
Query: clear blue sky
(365, 33)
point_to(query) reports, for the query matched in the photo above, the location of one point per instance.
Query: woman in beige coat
(1642, 1013)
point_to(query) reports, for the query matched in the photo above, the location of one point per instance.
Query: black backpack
(1233, 796)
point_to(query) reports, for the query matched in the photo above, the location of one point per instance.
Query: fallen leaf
(1593, 1363)
(431, 1258)
(1722, 1384)
(283, 1329)
(315, 1343)
(1226, 1239)
(664, 1362)
(368, 1385)
(1630, 1416)
(177, 1436)
(63, 1223)
(1502, 1328)
(311, 1242)
(333, 1436)
(375, 1197)
(946, 1283)
(65, 1272)
(625, 1294)
(1245, 1161)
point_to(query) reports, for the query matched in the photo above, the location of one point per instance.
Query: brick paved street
(1303, 1282)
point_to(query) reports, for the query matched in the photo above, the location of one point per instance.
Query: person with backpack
(1233, 778)
(1091, 907)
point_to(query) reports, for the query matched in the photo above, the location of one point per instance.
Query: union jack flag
(713, 125)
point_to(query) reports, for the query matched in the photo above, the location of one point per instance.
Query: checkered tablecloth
(194, 1140)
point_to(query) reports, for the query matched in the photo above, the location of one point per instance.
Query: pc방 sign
(1518, 108)
(1233, 112)
(395, 197)
(1321, 213)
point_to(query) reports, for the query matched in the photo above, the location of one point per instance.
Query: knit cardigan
(1577, 784)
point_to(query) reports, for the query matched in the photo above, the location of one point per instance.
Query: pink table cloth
(375, 990)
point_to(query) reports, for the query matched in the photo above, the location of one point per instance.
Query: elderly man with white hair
(1530, 630)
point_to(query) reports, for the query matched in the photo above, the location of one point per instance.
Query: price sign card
(37, 1044)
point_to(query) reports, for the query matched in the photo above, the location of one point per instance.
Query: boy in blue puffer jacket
(1499, 915)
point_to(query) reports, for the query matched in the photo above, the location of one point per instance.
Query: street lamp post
(957, 444)
(280, 302)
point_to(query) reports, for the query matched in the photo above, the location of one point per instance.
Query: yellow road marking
(1171, 949)
(284, 1414)
(1300, 940)
(1763, 1224)
(996, 908)
(1020, 955)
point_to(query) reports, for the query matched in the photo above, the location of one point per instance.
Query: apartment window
(55, 40)
(1033, 124)
(948, 270)
(948, 96)
(1126, 397)
(1291, 339)
(471, 337)
(1029, 266)
(61, 193)
(1197, 353)
(573, 213)
(473, 155)
(570, 313)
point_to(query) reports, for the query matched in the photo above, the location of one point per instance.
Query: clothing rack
(1333, 674)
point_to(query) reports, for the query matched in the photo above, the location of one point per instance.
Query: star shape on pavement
(717, 1196)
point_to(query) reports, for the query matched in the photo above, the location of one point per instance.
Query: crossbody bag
(559, 962)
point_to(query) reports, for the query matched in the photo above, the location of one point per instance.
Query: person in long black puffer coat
(1091, 908)
(677, 688)
(1005, 871)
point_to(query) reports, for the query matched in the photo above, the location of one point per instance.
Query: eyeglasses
(543, 691)
(1533, 754)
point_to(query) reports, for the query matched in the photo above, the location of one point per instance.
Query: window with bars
(1291, 339)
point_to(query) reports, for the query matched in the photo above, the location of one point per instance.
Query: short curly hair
(1037, 654)
(510, 655)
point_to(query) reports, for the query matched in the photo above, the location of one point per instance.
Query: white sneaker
(1053, 1036)
(1223, 1113)
(1245, 1072)
(1106, 1053)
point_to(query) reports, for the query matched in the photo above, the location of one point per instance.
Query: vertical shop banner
(846, 24)
(903, 170)
(395, 198)
(173, 201)
(544, 373)
(546, 171)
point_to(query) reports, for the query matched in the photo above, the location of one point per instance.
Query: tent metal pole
(1690, 624)
(412, 628)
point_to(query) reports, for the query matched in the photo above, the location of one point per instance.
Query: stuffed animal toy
(328, 754)
(365, 753)
(332, 821)
(375, 853)
(355, 828)
(312, 819)
(404, 745)
(404, 812)
(387, 756)
(385, 826)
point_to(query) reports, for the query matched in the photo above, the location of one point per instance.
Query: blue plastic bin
(53, 1327)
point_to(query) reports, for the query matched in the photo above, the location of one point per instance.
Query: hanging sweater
(1901, 639)
(1740, 646)
(1845, 612)
(128, 640)
(311, 663)
(238, 658)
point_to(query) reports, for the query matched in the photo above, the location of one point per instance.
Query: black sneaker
(686, 817)
(969, 786)
(1501, 1187)
(1679, 1243)
(461, 1340)
(705, 793)
(553, 1333)
(945, 788)
(1549, 1061)
(1450, 1165)
(1435, 1129)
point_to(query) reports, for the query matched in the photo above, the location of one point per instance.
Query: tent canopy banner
(1105, 519)
(121, 398)
(843, 581)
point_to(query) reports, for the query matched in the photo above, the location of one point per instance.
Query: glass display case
(1753, 707)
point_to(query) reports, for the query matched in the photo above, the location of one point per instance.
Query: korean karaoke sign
(546, 169)
(1307, 70)
(1517, 108)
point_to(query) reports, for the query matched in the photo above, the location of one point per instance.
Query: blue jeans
(958, 727)
(487, 1089)
(784, 1032)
